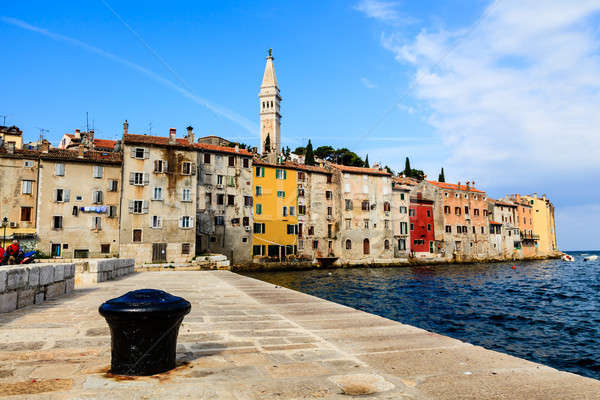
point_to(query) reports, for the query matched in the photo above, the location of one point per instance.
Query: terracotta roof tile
(222, 149)
(359, 170)
(105, 143)
(495, 223)
(405, 181)
(103, 157)
(452, 186)
(154, 140)
(292, 165)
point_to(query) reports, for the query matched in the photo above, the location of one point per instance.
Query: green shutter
(284, 174)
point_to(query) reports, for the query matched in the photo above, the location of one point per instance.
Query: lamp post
(4, 223)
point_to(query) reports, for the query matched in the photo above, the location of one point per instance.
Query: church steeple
(269, 102)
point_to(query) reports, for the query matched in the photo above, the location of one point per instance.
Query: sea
(544, 311)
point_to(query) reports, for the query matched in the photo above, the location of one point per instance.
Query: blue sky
(504, 93)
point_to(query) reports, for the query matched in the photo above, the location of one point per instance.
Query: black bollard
(143, 326)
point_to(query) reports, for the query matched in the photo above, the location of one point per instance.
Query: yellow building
(543, 224)
(275, 210)
(12, 136)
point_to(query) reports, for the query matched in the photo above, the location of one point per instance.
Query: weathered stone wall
(100, 270)
(400, 220)
(24, 285)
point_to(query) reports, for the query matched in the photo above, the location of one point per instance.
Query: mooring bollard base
(144, 325)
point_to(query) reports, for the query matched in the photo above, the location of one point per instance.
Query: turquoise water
(544, 311)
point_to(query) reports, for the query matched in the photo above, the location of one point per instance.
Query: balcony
(529, 236)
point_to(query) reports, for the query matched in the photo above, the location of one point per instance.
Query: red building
(422, 238)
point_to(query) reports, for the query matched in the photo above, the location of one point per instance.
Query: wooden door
(159, 252)
(366, 247)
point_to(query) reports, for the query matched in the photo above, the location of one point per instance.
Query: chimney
(237, 148)
(125, 127)
(172, 135)
(468, 185)
(77, 134)
(459, 185)
(190, 135)
(45, 146)
(80, 151)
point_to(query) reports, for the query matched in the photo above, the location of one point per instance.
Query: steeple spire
(269, 78)
(270, 118)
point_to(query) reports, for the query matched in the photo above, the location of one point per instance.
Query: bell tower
(270, 117)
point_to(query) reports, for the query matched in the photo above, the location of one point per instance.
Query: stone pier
(247, 339)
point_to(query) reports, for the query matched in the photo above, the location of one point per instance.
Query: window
(412, 227)
(245, 162)
(476, 211)
(403, 228)
(348, 204)
(482, 229)
(258, 250)
(185, 248)
(386, 244)
(260, 172)
(25, 214)
(186, 222)
(219, 220)
(401, 244)
(328, 178)
(329, 230)
(292, 211)
(328, 195)
(348, 244)
(231, 161)
(403, 210)
(386, 206)
(220, 199)
(59, 195)
(207, 199)
(365, 205)
(411, 212)
(186, 168)
(98, 171)
(466, 210)
(139, 153)
(401, 196)
(230, 199)
(139, 178)
(105, 248)
(259, 228)
(348, 223)
(485, 213)
(284, 211)
(446, 209)
(329, 211)
(57, 222)
(28, 164)
(157, 193)
(97, 197)
(280, 193)
(428, 227)
(315, 244)
(280, 173)
(112, 211)
(186, 195)
(231, 181)
(366, 223)
(247, 201)
(386, 224)
(27, 186)
(258, 209)
(97, 223)
(246, 221)
(457, 210)
(300, 192)
(137, 235)
(258, 190)
(206, 158)
(59, 170)
(160, 166)
(428, 213)
(137, 206)
(311, 230)
(445, 194)
(366, 246)
(448, 229)
(219, 179)
(156, 222)
(301, 176)
(113, 185)
(291, 229)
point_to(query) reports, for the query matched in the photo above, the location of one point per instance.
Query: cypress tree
(367, 161)
(407, 170)
(442, 178)
(309, 155)
(268, 144)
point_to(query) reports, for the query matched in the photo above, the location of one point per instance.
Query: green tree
(268, 144)
(299, 151)
(326, 153)
(309, 156)
(388, 169)
(367, 161)
(442, 178)
(407, 169)
(287, 152)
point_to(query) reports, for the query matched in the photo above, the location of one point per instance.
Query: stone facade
(505, 214)
(225, 202)
(11, 137)
(158, 208)
(543, 224)
(270, 114)
(525, 222)
(366, 232)
(401, 189)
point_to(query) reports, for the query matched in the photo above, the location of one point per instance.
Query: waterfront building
(270, 115)
(18, 193)
(224, 201)
(543, 224)
(525, 222)
(275, 211)
(78, 202)
(318, 212)
(366, 232)
(422, 225)
(11, 136)
(401, 188)
(158, 210)
(504, 213)
(461, 219)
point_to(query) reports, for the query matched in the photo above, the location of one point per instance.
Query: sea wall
(102, 269)
(23, 285)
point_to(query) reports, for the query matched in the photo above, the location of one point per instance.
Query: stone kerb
(23, 285)
(104, 269)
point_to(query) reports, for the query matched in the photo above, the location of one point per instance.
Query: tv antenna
(42, 131)
(4, 118)
(150, 127)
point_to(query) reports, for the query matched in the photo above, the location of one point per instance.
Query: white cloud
(518, 96)
(573, 225)
(367, 83)
(385, 11)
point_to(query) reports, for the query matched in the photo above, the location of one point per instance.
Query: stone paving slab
(246, 339)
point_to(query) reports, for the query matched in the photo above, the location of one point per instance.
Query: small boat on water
(567, 257)
(590, 258)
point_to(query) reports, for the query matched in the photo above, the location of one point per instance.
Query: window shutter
(191, 222)
(131, 178)
(165, 167)
(67, 195)
(92, 221)
(156, 166)
(130, 206)
(151, 219)
(146, 178)
(284, 174)
(55, 196)
(181, 222)
(160, 222)
(193, 168)
(133, 152)
(99, 221)
(99, 196)
(146, 153)
(145, 207)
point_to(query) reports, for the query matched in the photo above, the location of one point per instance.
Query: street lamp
(4, 224)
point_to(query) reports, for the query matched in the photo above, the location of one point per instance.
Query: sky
(504, 93)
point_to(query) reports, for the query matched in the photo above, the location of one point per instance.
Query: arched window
(366, 246)
(348, 244)
(386, 206)
(271, 104)
(263, 104)
(386, 244)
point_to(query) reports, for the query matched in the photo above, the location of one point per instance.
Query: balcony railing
(530, 236)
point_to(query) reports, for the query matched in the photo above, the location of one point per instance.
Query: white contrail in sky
(217, 109)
